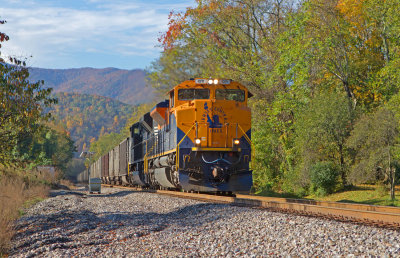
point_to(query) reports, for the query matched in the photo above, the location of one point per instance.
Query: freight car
(197, 140)
(83, 177)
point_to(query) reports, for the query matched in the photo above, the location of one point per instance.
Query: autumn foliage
(175, 26)
(87, 117)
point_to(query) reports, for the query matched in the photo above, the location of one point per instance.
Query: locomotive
(199, 139)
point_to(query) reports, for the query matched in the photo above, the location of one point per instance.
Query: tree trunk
(342, 171)
(392, 183)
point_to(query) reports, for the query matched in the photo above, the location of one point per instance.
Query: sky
(65, 34)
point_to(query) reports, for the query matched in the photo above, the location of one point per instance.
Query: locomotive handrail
(248, 139)
(177, 146)
(245, 136)
(146, 165)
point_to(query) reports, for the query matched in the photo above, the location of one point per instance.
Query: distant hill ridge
(86, 117)
(127, 86)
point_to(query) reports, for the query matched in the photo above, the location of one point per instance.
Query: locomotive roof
(207, 83)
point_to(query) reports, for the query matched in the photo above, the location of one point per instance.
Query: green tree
(323, 177)
(322, 129)
(383, 17)
(49, 146)
(348, 44)
(173, 67)
(21, 105)
(375, 140)
(105, 143)
(230, 38)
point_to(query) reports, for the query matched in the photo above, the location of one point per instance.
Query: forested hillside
(86, 117)
(127, 86)
(107, 141)
(325, 75)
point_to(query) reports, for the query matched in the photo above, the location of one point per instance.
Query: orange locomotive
(197, 140)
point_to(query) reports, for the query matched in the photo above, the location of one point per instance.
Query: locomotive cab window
(190, 94)
(230, 94)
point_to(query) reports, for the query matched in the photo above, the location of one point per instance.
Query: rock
(130, 223)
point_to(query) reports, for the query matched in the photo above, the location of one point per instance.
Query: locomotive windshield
(230, 94)
(190, 94)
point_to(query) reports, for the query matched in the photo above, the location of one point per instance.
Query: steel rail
(344, 205)
(381, 216)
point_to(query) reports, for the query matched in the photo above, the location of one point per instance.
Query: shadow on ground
(65, 227)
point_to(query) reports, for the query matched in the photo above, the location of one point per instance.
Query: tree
(105, 143)
(375, 26)
(21, 105)
(375, 141)
(49, 146)
(322, 129)
(349, 44)
(323, 175)
(3, 37)
(174, 66)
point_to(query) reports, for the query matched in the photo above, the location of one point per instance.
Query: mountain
(86, 117)
(127, 86)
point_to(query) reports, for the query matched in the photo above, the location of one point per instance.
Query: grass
(365, 194)
(18, 189)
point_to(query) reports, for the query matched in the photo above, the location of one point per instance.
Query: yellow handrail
(249, 141)
(177, 147)
(146, 165)
(245, 136)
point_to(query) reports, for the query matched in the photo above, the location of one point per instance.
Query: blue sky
(86, 33)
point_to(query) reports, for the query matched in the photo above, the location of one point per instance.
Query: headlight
(216, 81)
(236, 141)
(197, 141)
(210, 81)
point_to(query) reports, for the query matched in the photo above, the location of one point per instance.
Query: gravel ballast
(120, 222)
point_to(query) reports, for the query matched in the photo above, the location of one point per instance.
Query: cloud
(54, 35)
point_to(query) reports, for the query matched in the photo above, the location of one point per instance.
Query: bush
(324, 177)
(381, 189)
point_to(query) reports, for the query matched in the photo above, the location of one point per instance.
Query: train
(198, 139)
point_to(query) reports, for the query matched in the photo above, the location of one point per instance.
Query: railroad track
(372, 215)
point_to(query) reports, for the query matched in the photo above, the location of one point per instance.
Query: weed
(18, 189)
